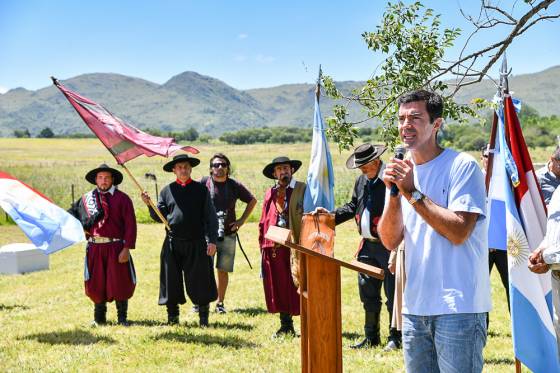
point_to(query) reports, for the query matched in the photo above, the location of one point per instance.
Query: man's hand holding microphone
(399, 174)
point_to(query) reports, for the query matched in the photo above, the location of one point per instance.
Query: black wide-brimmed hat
(268, 171)
(117, 176)
(180, 158)
(364, 154)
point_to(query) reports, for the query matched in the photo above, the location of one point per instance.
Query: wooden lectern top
(283, 237)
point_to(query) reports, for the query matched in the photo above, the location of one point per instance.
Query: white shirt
(443, 278)
(551, 241)
(111, 190)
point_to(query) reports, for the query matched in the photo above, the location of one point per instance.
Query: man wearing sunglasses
(225, 192)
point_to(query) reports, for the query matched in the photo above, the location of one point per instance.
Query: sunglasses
(218, 165)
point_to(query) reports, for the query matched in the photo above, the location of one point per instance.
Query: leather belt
(97, 239)
(372, 240)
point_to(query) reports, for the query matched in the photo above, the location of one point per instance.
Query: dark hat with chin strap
(168, 167)
(364, 154)
(268, 171)
(92, 175)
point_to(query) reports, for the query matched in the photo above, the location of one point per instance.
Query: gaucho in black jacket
(366, 207)
(188, 248)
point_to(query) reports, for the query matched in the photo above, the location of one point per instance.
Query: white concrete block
(22, 258)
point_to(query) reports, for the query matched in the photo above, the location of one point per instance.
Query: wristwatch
(416, 196)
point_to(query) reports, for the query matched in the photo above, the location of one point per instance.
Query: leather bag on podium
(317, 233)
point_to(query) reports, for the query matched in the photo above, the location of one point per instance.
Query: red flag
(123, 140)
(527, 179)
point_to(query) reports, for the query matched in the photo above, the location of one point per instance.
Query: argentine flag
(49, 227)
(515, 200)
(320, 177)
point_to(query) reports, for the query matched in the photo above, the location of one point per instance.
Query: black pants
(499, 258)
(181, 259)
(370, 287)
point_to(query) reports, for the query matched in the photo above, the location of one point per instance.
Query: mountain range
(211, 106)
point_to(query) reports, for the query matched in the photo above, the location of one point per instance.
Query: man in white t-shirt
(440, 213)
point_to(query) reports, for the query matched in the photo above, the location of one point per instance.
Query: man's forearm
(551, 255)
(390, 225)
(344, 213)
(455, 226)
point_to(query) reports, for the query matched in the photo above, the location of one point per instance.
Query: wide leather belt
(97, 239)
(373, 240)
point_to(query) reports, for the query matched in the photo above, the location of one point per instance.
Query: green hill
(211, 106)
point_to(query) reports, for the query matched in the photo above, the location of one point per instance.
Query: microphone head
(400, 151)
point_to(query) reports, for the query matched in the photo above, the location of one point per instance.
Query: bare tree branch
(503, 12)
(537, 20)
(521, 25)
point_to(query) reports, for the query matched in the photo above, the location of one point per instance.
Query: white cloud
(240, 58)
(242, 36)
(264, 59)
(3, 89)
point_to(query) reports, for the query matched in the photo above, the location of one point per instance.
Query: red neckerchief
(185, 183)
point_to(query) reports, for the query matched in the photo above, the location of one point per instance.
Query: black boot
(100, 314)
(394, 341)
(122, 310)
(203, 311)
(172, 314)
(371, 329)
(286, 326)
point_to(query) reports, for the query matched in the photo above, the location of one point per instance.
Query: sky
(246, 44)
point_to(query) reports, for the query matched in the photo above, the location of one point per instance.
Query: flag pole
(318, 88)
(152, 205)
(504, 90)
(491, 147)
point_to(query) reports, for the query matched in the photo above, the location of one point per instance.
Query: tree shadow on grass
(250, 311)
(69, 337)
(351, 335)
(10, 307)
(219, 325)
(147, 322)
(186, 337)
(500, 361)
(231, 325)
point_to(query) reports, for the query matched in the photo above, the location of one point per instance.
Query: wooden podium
(321, 328)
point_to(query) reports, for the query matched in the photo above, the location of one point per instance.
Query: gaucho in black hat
(366, 207)
(188, 248)
(283, 207)
(107, 215)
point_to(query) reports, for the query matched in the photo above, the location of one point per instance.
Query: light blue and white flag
(514, 195)
(49, 227)
(320, 177)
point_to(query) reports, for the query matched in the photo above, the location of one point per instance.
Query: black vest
(378, 203)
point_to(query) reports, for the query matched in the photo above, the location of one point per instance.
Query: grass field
(45, 316)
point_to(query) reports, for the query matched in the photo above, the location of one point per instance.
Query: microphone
(400, 151)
